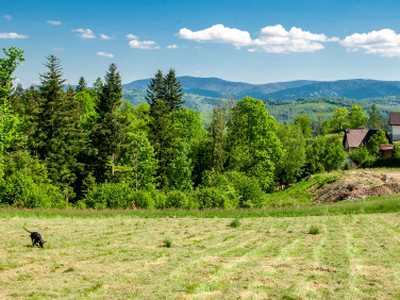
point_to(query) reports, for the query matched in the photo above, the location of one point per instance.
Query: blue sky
(249, 41)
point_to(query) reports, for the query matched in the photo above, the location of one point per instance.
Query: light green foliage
(361, 155)
(376, 140)
(110, 195)
(179, 172)
(289, 166)
(339, 120)
(179, 199)
(304, 122)
(254, 146)
(357, 118)
(142, 199)
(374, 120)
(216, 197)
(8, 65)
(325, 154)
(26, 183)
(9, 122)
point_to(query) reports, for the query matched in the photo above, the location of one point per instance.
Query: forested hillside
(62, 146)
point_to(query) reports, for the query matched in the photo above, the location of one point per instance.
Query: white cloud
(146, 45)
(131, 37)
(12, 35)
(56, 23)
(105, 54)
(217, 34)
(85, 33)
(58, 49)
(274, 39)
(105, 37)
(385, 42)
(7, 17)
(172, 46)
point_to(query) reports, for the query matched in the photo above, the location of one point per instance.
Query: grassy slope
(120, 257)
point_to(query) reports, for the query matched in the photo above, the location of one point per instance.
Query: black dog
(36, 238)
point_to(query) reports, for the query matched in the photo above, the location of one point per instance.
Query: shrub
(159, 199)
(20, 190)
(247, 189)
(235, 223)
(143, 199)
(179, 199)
(110, 195)
(313, 230)
(212, 197)
(168, 243)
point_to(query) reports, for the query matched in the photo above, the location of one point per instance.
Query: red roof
(355, 137)
(394, 118)
(386, 147)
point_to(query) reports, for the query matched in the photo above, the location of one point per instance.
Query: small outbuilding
(394, 123)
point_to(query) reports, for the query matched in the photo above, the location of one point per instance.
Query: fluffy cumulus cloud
(135, 43)
(105, 37)
(385, 42)
(105, 54)
(275, 39)
(55, 23)
(217, 34)
(84, 33)
(12, 35)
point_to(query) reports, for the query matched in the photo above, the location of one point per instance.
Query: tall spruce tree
(110, 129)
(172, 91)
(60, 140)
(82, 85)
(155, 88)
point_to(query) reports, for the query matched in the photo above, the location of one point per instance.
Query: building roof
(394, 118)
(386, 147)
(356, 137)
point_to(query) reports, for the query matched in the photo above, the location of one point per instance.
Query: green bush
(110, 195)
(247, 189)
(313, 230)
(235, 223)
(213, 197)
(361, 156)
(20, 190)
(143, 199)
(179, 199)
(159, 198)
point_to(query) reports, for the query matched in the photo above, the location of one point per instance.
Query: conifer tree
(172, 91)
(82, 85)
(155, 88)
(109, 131)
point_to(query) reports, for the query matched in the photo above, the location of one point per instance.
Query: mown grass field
(119, 255)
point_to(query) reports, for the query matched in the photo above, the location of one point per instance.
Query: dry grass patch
(120, 257)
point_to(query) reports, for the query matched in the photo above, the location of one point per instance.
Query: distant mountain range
(218, 88)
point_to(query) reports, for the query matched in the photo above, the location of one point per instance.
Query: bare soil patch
(360, 185)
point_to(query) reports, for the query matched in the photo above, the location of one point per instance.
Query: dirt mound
(359, 185)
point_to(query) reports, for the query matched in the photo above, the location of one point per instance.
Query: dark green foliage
(110, 195)
(155, 88)
(235, 223)
(374, 120)
(168, 243)
(82, 85)
(109, 132)
(172, 91)
(313, 230)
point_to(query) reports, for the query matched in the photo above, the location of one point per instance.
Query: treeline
(81, 147)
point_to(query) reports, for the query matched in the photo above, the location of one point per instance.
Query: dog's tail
(26, 229)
